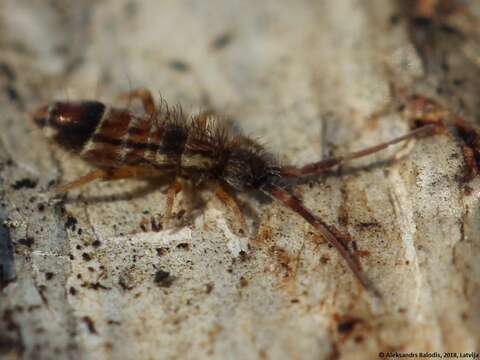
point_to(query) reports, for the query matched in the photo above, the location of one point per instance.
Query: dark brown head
(70, 124)
(249, 168)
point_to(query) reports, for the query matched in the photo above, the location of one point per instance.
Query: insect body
(163, 141)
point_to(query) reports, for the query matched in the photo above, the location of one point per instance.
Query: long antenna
(319, 166)
(293, 203)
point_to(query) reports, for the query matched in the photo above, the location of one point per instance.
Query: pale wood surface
(81, 278)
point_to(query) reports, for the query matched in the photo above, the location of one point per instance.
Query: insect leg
(145, 97)
(230, 201)
(85, 179)
(174, 188)
(296, 205)
(126, 172)
(110, 174)
(319, 166)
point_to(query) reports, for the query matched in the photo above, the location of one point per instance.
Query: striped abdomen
(111, 137)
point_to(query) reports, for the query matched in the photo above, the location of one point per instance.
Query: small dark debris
(183, 246)
(96, 243)
(445, 67)
(181, 214)
(7, 71)
(86, 256)
(179, 65)
(451, 30)
(122, 281)
(324, 259)
(34, 307)
(395, 19)
(131, 9)
(113, 322)
(421, 22)
(9, 345)
(354, 245)
(13, 94)
(358, 339)
(348, 324)
(26, 241)
(163, 278)
(467, 190)
(294, 301)
(90, 324)
(161, 251)
(243, 282)
(367, 225)
(42, 288)
(91, 269)
(471, 149)
(41, 207)
(243, 256)
(155, 225)
(95, 286)
(24, 183)
(222, 41)
(49, 275)
(209, 288)
(72, 291)
(8, 320)
(71, 222)
(78, 247)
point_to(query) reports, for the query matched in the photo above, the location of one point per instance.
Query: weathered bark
(93, 275)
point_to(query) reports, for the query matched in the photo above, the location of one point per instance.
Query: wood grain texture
(95, 275)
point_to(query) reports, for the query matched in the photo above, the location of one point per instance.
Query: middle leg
(231, 203)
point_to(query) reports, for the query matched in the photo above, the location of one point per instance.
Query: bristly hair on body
(164, 141)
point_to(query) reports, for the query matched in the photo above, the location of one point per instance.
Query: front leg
(174, 188)
(145, 97)
(83, 180)
(124, 172)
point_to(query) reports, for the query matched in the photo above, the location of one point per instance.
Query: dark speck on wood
(163, 278)
(24, 183)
